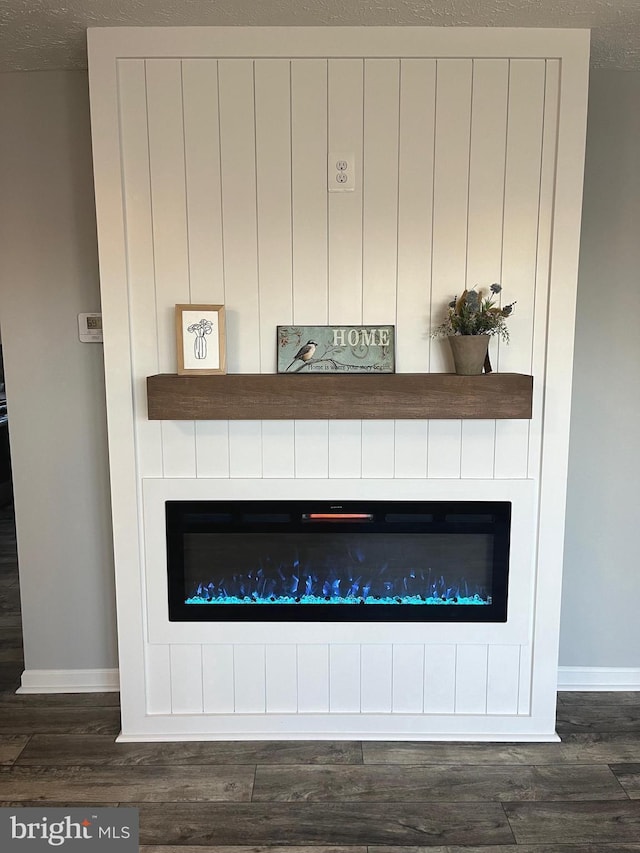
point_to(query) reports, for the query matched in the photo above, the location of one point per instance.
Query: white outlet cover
(341, 175)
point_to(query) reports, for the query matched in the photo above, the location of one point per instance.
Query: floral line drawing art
(200, 339)
(200, 330)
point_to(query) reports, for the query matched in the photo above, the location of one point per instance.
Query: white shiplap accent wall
(223, 165)
(219, 151)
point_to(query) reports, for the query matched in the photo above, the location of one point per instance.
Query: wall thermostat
(90, 328)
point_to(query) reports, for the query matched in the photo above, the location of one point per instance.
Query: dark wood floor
(579, 795)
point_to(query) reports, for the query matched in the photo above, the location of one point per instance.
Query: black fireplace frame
(184, 517)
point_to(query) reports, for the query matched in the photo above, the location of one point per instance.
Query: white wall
(49, 273)
(55, 384)
(600, 625)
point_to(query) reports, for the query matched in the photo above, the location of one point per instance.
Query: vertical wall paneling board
(345, 448)
(521, 205)
(524, 688)
(273, 183)
(157, 679)
(238, 170)
(212, 448)
(503, 677)
(415, 208)
(186, 679)
(376, 676)
(439, 679)
(170, 238)
(309, 117)
(278, 440)
(478, 445)
(281, 677)
(239, 215)
(471, 679)
(238, 167)
(520, 244)
(245, 449)
(313, 679)
(443, 452)
(408, 679)
(140, 261)
(179, 448)
(204, 188)
(410, 448)
(450, 194)
(547, 182)
(380, 190)
(275, 252)
(344, 679)
(205, 227)
(249, 679)
(448, 265)
(484, 233)
(309, 190)
(312, 449)
(378, 448)
(512, 445)
(379, 243)
(345, 92)
(217, 679)
(345, 135)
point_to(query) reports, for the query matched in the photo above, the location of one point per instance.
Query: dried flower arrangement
(472, 313)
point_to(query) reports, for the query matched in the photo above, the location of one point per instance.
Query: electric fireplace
(353, 561)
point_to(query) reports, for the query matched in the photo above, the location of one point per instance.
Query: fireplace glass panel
(308, 561)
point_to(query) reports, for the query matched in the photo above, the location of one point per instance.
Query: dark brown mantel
(267, 396)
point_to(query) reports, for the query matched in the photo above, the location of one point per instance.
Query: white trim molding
(69, 681)
(598, 678)
(570, 678)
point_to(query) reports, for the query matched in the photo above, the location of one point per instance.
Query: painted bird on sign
(305, 353)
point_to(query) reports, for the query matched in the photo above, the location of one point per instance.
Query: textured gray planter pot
(469, 353)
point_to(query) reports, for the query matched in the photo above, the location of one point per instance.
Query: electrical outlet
(341, 173)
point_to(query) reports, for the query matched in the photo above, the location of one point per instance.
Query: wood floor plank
(315, 824)
(505, 848)
(415, 752)
(629, 777)
(56, 804)
(601, 747)
(10, 637)
(27, 720)
(9, 654)
(10, 747)
(122, 784)
(601, 719)
(61, 750)
(435, 784)
(595, 699)
(59, 700)
(272, 848)
(575, 823)
(576, 748)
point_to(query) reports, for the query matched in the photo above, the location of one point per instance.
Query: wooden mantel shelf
(267, 396)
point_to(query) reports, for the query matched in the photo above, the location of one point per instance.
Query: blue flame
(314, 599)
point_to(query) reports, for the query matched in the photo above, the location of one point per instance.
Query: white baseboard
(69, 681)
(586, 678)
(598, 678)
